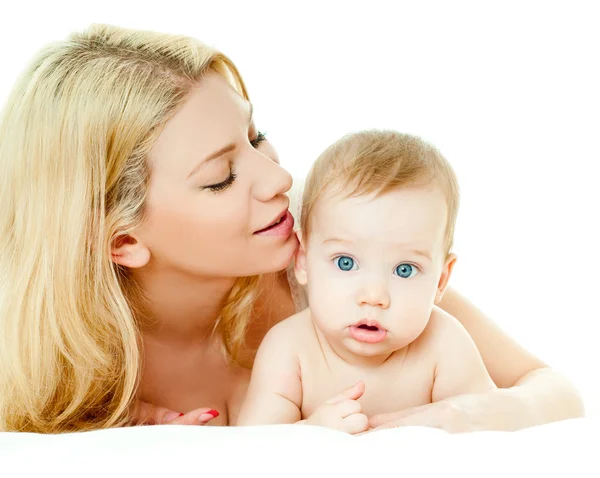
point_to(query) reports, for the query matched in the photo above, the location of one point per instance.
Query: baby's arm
(275, 392)
(460, 369)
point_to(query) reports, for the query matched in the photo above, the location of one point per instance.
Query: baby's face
(374, 267)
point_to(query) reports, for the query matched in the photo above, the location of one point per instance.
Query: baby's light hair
(376, 162)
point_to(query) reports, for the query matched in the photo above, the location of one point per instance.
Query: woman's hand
(495, 410)
(148, 414)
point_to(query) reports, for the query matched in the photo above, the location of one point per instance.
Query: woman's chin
(281, 258)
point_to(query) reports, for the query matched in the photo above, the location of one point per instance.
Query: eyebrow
(220, 152)
(417, 252)
(336, 239)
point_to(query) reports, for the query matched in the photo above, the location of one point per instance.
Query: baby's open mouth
(368, 327)
(368, 331)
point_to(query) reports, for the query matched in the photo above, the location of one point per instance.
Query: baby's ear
(445, 277)
(300, 261)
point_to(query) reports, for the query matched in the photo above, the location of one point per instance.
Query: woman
(145, 245)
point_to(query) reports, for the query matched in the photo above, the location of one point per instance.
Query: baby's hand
(342, 412)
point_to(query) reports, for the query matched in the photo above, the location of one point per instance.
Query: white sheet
(570, 448)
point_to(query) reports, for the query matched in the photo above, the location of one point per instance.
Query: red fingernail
(208, 416)
(170, 416)
(181, 414)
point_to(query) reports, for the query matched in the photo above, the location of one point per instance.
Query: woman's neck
(184, 367)
(181, 307)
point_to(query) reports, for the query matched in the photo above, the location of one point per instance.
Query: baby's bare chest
(388, 388)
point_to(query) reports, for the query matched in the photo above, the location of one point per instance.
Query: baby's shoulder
(290, 329)
(442, 328)
(281, 344)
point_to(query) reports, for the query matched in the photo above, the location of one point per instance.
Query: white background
(507, 90)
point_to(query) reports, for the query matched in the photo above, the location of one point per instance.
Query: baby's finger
(352, 393)
(356, 423)
(347, 408)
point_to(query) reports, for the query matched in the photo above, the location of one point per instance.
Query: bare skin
(527, 375)
(197, 240)
(299, 376)
(394, 269)
(181, 375)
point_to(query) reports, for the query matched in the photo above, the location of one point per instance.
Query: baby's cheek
(413, 313)
(323, 298)
(328, 302)
(319, 277)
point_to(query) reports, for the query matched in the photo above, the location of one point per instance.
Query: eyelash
(225, 184)
(260, 137)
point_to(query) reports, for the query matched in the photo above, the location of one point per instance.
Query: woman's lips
(283, 228)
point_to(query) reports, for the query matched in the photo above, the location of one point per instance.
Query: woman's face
(216, 189)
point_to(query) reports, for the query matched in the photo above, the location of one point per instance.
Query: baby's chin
(363, 353)
(362, 349)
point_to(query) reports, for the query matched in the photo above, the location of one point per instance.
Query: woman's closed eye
(260, 137)
(222, 185)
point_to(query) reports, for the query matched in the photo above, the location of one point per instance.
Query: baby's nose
(374, 294)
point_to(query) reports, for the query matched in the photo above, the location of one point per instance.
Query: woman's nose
(271, 180)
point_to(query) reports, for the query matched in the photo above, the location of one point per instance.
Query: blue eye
(406, 270)
(345, 263)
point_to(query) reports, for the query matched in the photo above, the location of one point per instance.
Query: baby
(376, 231)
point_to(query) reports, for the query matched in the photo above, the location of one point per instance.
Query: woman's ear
(128, 251)
(445, 277)
(300, 261)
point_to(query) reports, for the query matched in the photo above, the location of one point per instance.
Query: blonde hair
(376, 162)
(74, 137)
